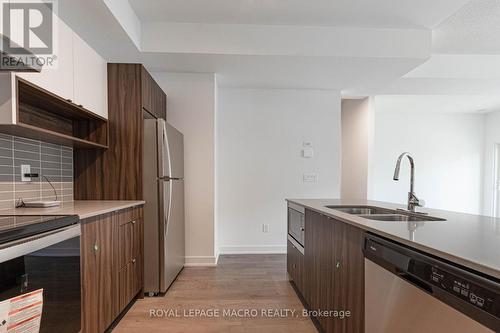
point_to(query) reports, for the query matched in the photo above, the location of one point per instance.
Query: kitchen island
(326, 260)
(470, 240)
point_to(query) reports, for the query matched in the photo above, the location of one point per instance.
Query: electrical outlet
(25, 168)
(265, 228)
(309, 178)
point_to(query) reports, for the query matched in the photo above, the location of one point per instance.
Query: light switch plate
(307, 153)
(25, 168)
(309, 178)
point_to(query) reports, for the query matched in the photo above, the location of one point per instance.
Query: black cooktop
(14, 227)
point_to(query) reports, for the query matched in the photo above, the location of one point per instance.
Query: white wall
(448, 152)
(491, 139)
(191, 109)
(357, 118)
(260, 134)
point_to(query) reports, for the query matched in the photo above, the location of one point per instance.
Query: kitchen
(231, 168)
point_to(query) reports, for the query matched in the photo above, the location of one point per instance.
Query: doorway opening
(496, 185)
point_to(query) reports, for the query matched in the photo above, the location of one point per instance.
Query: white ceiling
(349, 74)
(474, 29)
(464, 66)
(265, 43)
(364, 13)
(463, 73)
(450, 104)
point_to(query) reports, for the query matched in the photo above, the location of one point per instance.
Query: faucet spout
(412, 169)
(413, 201)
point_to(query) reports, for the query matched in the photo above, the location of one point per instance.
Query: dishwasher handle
(385, 256)
(416, 282)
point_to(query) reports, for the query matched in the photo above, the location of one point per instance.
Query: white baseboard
(211, 261)
(200, 261)
(253, 249)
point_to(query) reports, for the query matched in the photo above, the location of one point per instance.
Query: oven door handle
(32, 244)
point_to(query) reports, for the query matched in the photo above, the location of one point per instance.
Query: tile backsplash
(46, 159)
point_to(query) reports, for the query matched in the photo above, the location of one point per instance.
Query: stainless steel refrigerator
(163, 179)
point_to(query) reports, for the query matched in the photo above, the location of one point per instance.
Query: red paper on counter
(22, 314)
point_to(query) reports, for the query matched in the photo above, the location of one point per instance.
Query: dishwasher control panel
(465, 290)
(469, 292)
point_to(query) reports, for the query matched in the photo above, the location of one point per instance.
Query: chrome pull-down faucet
(413, 201)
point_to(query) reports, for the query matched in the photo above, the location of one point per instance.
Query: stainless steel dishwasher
(409, 291)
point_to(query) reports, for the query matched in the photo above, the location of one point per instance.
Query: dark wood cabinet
(333, 272)
(318, 254)
(153, 98)
(349, 276)
(129, 228)
(117, 174)
(99, 301)
(111, 259)
(39, 114)
(132, 95)
(295, 265)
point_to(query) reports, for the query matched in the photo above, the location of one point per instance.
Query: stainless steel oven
(43, 252)
(296, 222)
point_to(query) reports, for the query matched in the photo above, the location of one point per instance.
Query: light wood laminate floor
(253, 282)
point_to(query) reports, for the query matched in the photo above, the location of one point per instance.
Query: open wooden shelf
(45, 116)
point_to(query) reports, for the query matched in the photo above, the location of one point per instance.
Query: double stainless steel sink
(384, 214)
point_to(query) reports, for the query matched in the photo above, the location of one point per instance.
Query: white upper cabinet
(80, 74)
(57, 79)
(90, 78)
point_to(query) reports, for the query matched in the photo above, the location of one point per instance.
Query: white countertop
(83, 208)
(469, 240)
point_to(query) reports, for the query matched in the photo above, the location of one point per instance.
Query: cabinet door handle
(133, 261)
(302, 229)
(133, 222)
(337, 265)
(96, 247)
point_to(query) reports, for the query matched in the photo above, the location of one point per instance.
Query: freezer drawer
(172, 235)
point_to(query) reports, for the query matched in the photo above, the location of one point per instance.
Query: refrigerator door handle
(167, 213)
(163, 150)
(167, 178)
(166, 149)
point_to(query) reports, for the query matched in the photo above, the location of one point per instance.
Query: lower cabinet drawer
(111, 266)
(129, 214)
(129, 235)
(295, 265)
(129, 282)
